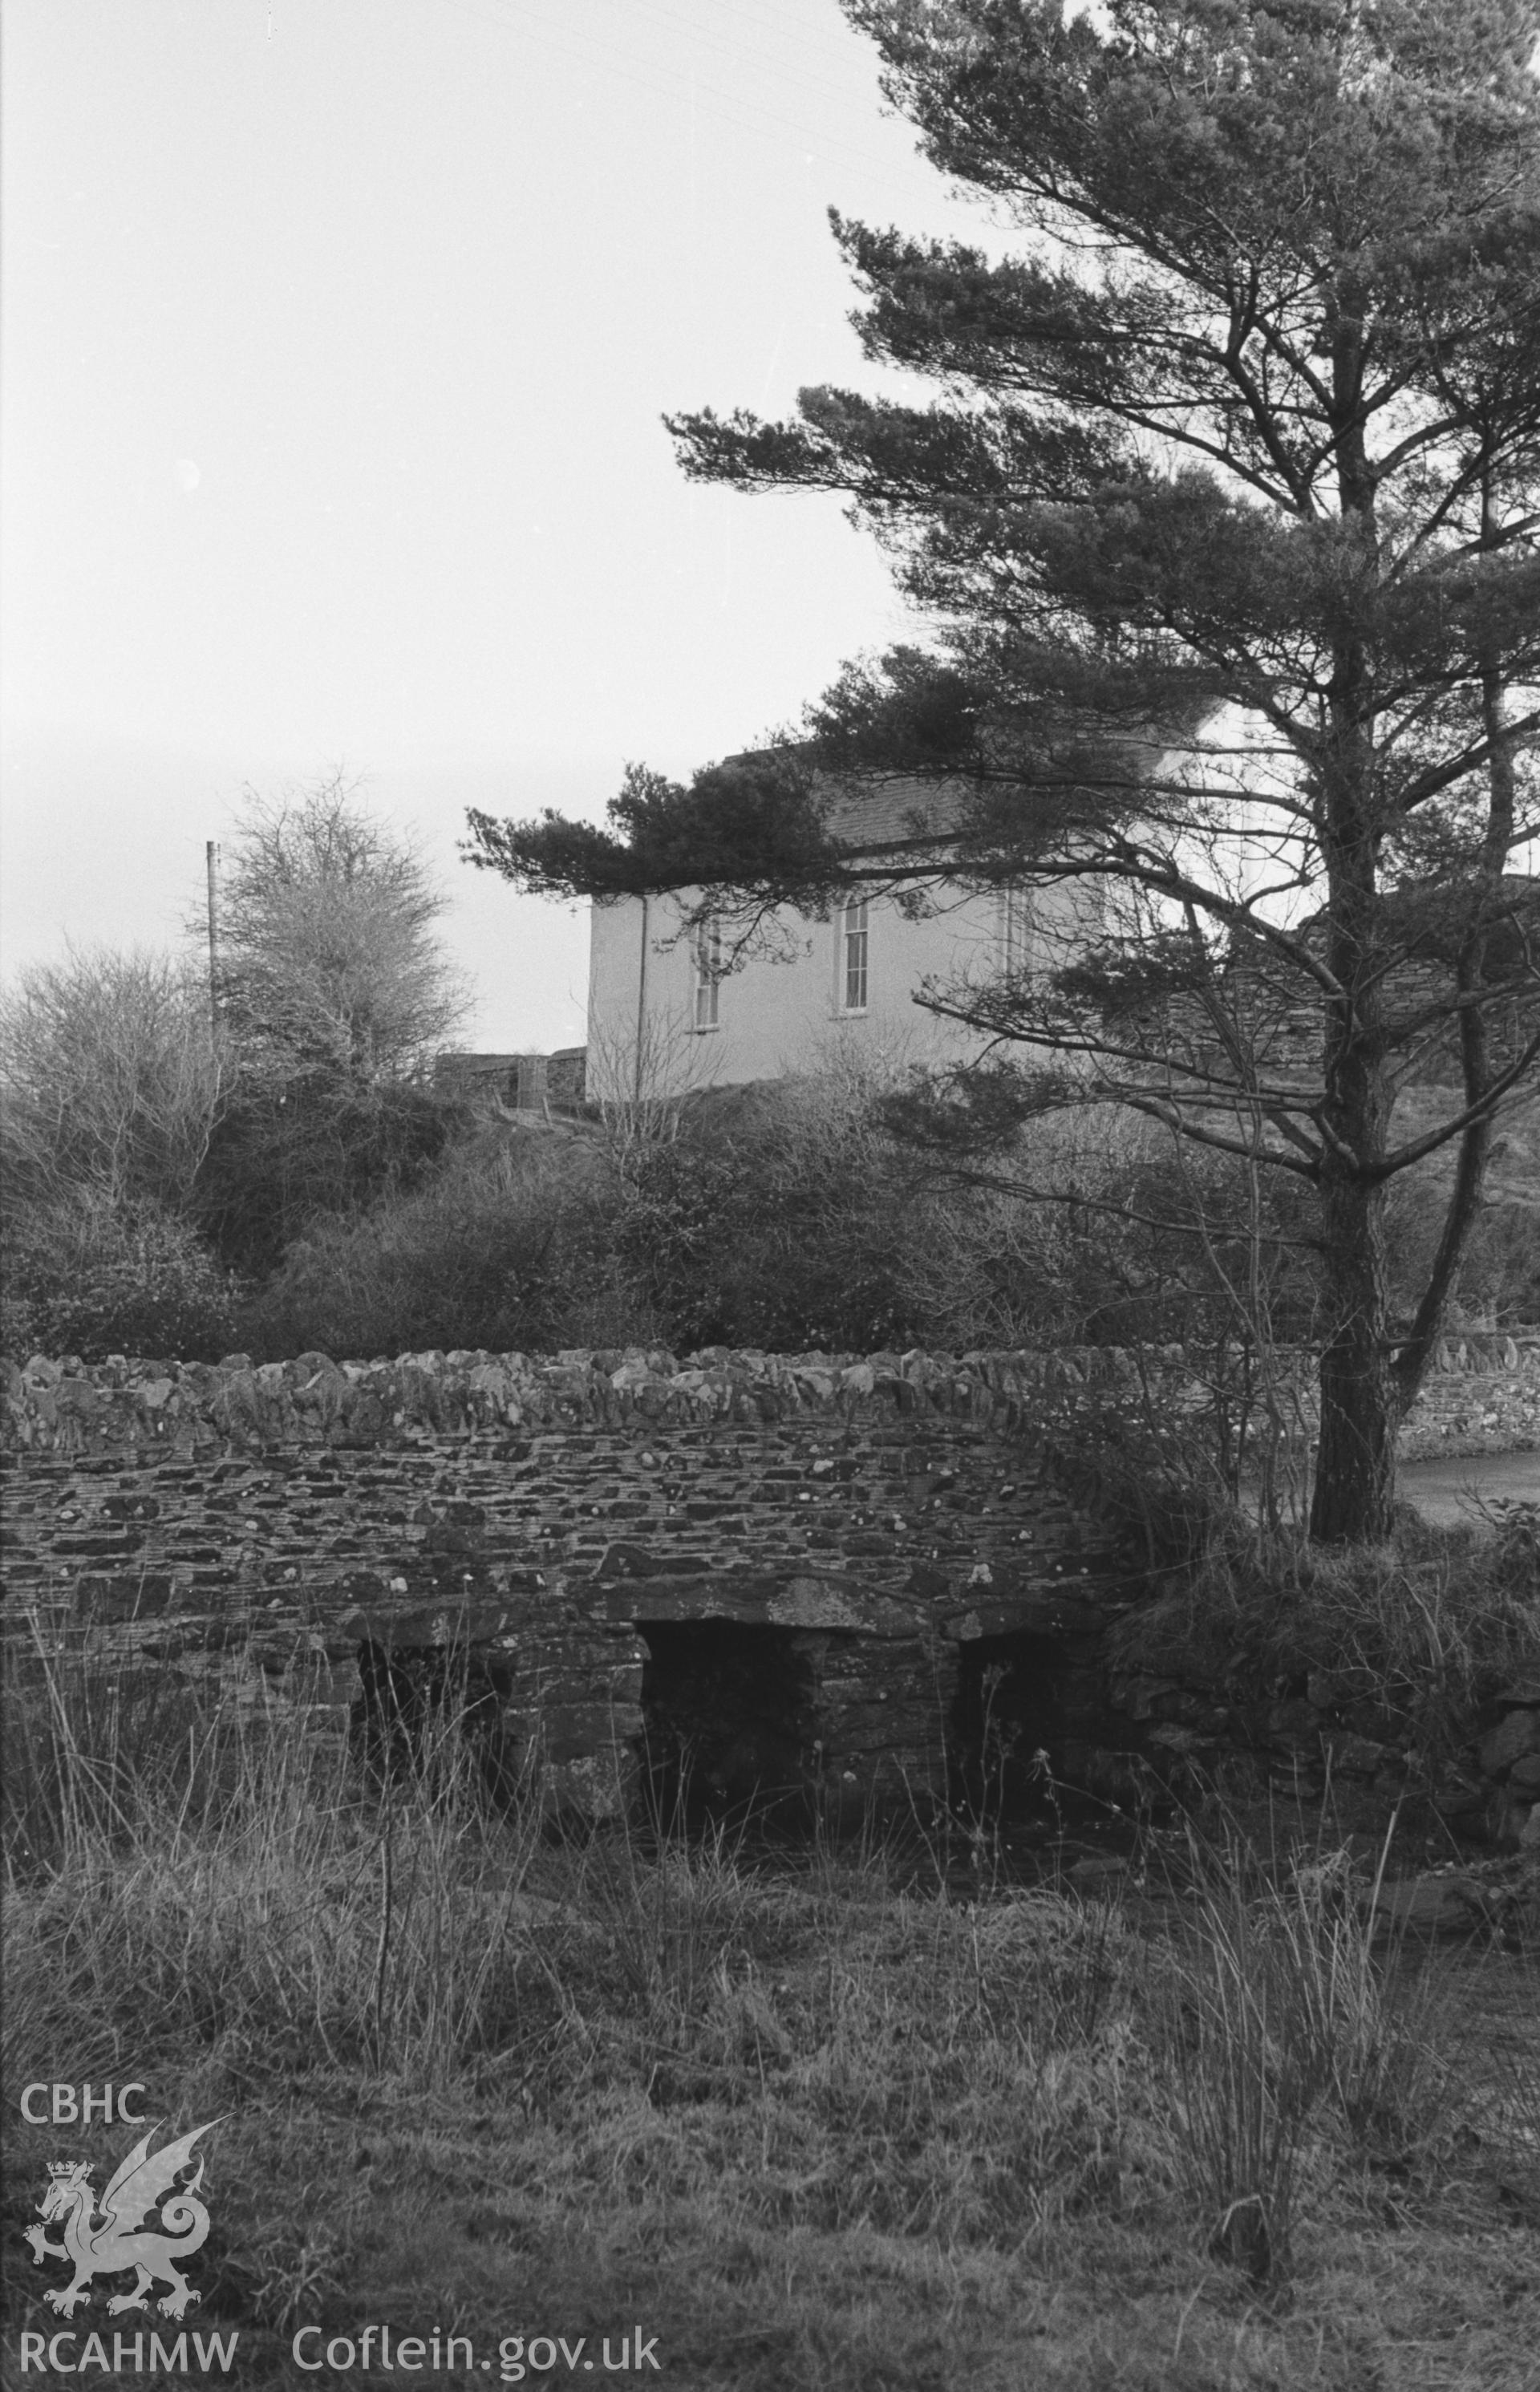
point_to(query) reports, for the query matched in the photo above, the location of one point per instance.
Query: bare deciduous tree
(328, 963)
(112, 1082)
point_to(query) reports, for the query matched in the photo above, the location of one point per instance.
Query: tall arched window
(855, 937)
(708, 952)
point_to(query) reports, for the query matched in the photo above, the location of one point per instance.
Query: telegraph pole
(211, 857)
(641, 1015)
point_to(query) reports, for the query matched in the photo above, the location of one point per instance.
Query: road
(1449, 1488)
(1445, 1488)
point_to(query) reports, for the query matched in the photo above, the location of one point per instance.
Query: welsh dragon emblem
(118, 2239)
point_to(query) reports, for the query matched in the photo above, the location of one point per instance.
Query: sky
(336, 336)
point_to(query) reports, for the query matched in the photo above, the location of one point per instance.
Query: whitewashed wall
(775, 1017)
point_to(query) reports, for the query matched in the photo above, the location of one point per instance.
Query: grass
(1287, 2040)
(809, 2125)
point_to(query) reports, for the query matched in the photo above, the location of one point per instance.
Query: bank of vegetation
(170, 1195)
(849, 2117)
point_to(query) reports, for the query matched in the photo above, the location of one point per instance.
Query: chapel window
(707, 952)
(856, 937)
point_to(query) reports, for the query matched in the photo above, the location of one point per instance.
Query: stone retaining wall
(1482, 1396)
(1189, 1720)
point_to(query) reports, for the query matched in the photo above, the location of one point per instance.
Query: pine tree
(1225, 519)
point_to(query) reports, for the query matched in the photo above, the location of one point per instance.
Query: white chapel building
(671, 1010)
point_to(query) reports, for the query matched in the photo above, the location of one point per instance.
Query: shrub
(786, 1217)
(773, 1217)
(286, 1157)
(1051, 1217)
(778, 1217)
(501, 1248)
(89, 1277)
(113, 1079)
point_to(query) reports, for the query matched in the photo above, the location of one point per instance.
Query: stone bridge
(807, 1572)
(818, 1577)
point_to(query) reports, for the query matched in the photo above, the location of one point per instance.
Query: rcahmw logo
(148, 2221)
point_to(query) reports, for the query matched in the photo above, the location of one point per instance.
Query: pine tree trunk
(1355, 1459)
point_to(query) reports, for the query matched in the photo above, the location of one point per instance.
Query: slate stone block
(1519, 1732)
(143, 1597)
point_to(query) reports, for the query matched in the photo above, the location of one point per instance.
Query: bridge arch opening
(730, 1713)
(1006, 1734)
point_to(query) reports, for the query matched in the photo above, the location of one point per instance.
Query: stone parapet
(1482, 1393)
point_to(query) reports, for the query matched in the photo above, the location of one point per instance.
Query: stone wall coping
(130, 1400)
(133, 1402)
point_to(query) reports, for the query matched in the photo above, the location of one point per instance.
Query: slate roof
(890, 813)
(884, 810)
(887, 810)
